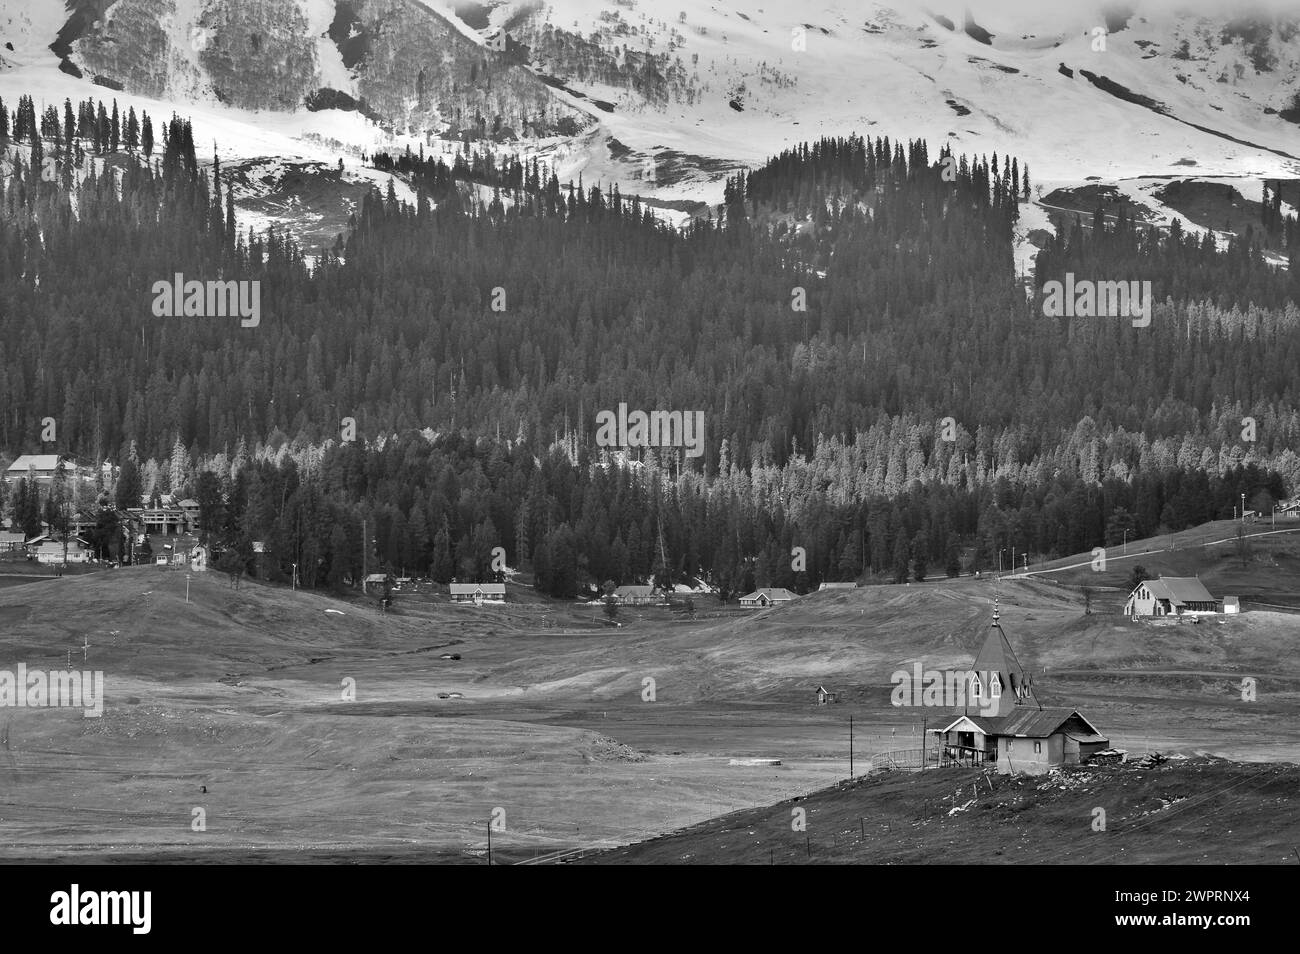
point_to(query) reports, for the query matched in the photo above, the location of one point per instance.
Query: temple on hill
(1003, 724)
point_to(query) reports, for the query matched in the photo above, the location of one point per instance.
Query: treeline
(440, 507)
(432, 177)
(850, 326)
(1178, 265)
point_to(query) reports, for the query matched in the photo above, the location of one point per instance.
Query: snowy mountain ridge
(667, 98)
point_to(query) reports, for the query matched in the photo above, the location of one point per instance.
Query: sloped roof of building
(634, 590)
(468, 588)
(376, 578)
(771, 592)
(1179, 590)
(26, 462)
(1031, 722)
(57, 538)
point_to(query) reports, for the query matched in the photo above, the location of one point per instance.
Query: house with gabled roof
(51, 548)
(633, 595)
(768, 596)
(477, 592)
(1170, 596)
(1004, 725)
(42, 468)
(12, 541)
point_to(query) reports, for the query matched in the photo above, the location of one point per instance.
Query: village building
(837, 586)
(825, 696)
(376, 583)
(768, 596)
(1231, 605)
(49, 548)
(164, 521)
(43, 468)
(1004, 726)
(1170, 596)
(477, 593)
(12, 541)
(636, 595)
(190, 508)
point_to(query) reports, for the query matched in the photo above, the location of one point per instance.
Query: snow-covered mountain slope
(667, 97)
(741, 79)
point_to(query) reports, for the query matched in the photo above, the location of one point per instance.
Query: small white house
(837, 586)
(1170, 596)
(478, 593)
(768, 596)
(1231, 605)
(49, 548)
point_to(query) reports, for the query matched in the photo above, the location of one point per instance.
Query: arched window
(995, 686)
(976, 689)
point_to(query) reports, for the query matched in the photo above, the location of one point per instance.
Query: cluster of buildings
(170, 517)
(762, 598)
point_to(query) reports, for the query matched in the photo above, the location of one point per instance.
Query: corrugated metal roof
(1036, 723)
(1179, 590)
(1027, 722)
(477, 587)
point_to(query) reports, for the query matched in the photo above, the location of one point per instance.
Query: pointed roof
(1179, 590)
(996, 656)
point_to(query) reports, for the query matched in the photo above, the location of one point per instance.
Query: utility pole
(489, 844)
(850, 746)
(365, 553)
